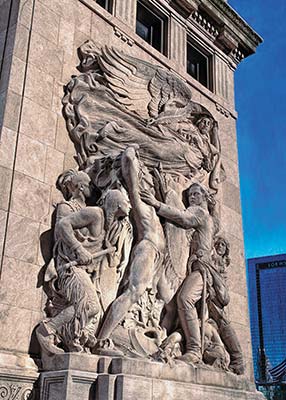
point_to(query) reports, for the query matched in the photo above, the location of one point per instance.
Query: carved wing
(138, 85)
(128, 79)
(167, 91)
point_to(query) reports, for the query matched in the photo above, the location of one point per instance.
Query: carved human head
(205, 125)
(116, 204)
(197, 194)
(74, 184)
(222, 246)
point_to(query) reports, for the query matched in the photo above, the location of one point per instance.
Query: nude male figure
(146, 257)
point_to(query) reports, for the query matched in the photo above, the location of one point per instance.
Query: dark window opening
(151, 27)
(106, 4)
(198, 65)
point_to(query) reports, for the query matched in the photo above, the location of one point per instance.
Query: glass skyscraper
(266, 278)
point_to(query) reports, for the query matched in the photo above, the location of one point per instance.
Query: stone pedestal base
(90, 377)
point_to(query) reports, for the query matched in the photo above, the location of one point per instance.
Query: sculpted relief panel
(139, 262)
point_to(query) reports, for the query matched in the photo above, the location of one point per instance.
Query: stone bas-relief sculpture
(139, 264)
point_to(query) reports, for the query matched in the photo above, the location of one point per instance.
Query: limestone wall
(35, 149)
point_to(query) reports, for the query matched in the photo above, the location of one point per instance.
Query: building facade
(198, 42)
(266, 278)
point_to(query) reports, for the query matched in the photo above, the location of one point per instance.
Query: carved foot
(237, 367)
(47, 338)
(190, 358)
(106, 348)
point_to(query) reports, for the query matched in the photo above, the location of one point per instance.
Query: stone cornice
(234, 32)
(238, 21)
(228, 16)
(185, 7)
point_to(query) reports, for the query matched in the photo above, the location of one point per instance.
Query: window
(106, 4)
(198, 65)
(151, 26)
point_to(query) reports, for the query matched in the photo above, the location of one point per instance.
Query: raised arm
(185, 219)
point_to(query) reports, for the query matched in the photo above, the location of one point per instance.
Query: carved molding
(185, 7)
(205, 24)
(226, 40)
(222, 110)
(121, 35)
(236, 20)
(15, 391)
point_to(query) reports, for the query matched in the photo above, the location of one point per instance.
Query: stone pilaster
(126, 11)
(178, 41)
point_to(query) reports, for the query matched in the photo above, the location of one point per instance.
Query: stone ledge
(73, 376)
(146, 369)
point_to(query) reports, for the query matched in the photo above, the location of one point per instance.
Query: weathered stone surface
(22, 238)
(46, 23)
(29, 197)
(54, 165)
(66, 36)
(39, 86)
(3, 219)
(31, 157)
(46, 55)
(239, 314)
(42, 128)
(21, 41)
(25, 16)
(12, 75)
(11, 362)
(62, 139)
(231, 197)
(65, 8)
(235, 228)
(15, 328)
(83, 19)
(11, 102)
(133, 379)
(7, 147)
(5, 185)
(23, 278)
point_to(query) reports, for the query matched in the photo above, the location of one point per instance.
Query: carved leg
(230, 340)
(141, 270)
(47, 331)
(188, 296)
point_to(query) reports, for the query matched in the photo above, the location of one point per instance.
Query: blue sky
(261, 129)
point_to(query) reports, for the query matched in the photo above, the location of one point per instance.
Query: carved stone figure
(198, 217)
(147, 255)
(150, 107)
(79, 249)
(218, 299)
(149, 283)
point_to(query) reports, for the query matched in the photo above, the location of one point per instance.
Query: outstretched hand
(148, 198)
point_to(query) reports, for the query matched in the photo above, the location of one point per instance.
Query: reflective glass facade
(267, 289)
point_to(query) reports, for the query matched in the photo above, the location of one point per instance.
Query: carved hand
(148, 198)
(84, 257)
